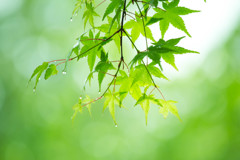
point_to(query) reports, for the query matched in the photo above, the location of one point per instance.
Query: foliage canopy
(130, 19)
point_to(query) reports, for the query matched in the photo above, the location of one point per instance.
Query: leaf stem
(100, 3)
(122, 21)
(144, 29)
(131, 41)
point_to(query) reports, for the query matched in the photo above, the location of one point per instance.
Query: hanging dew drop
(34, 90)
(116, 125)
(99, 92)
(71, 19)
(64, 73)
(80, 97)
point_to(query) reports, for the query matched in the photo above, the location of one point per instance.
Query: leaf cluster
(130, 19)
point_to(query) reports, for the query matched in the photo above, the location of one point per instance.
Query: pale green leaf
(168, 106)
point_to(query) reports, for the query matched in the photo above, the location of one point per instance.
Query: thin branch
(112, 79)
(144, 29)
(93, 39)
(107, 73)
(57, 60)
(93, 101)
(64, 61)
(100, 3)
(130, 16)
(126, 66)
(122, 21)
(152, 91)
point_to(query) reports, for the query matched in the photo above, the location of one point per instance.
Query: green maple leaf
(77, 108)
(89, 14)
(52, 70)
(155, 71)
(144, 101)
(111, 100)
(171, 15)
(171, 48)
(138, 28)
(87, 101)
(125, 84)
(168, 106)
(102, 68)
(89, 42)
(111, 7)
(141, 76)
(162, 49)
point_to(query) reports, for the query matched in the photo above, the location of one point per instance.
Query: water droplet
(64, 72)
(99, 92)
(39, 79)
(71, 19)
(80, 97)
(116, 125)
(34, 90)
(55, 61)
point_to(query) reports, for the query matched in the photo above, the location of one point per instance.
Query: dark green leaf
(52, 70)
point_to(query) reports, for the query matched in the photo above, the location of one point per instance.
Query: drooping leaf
(169, 58)
(87, 101)
(138, 57)
(89, 14)
(125, 83)
(111, 7)
(144, 101)
(88, 43)
(38, 72)
(156, 72)
(168, 106)
(141, 76)
(77, 108)
(116, 17)
(110, 102)
(89, 78)
(102, 68)
(52, 70)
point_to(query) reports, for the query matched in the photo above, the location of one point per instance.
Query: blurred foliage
(38, 126)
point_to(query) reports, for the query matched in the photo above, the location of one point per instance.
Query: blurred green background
(38, 125)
